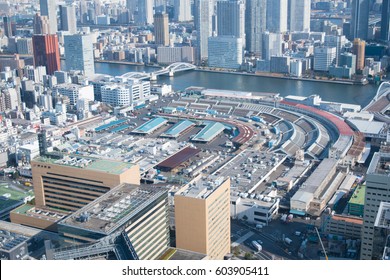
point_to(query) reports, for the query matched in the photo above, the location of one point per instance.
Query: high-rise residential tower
(7, 26)
(359, 20)
(41, 24)
(182, 10)
(300, 15)
(161, 29)
(79, 53)
(68, 18)
(377, 191)
(277, 15)
(359, 49)
(255, 25)
(204, 10)
(145, 12)
(231, 18)
(49, 9)
(46, 52)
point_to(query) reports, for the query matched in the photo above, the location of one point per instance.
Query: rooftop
(319, 175)
(380, 164)
(209, 132)
(369, 127)
(113, 209)
(178, 128)
(383, 217)
(358, 196)
(202, 187)
(150, 126)
(44, 213)
(88, 163)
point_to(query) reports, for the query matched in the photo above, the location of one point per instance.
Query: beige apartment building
(202, 217)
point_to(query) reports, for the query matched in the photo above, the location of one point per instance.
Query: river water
(355, 94)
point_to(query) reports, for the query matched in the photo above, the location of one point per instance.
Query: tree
(248, 256)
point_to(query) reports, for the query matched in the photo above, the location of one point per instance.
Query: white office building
(225, 52)
(204, 10)
(323, 58)
(272, 45)
(145, 12)
(182, 10)
(79, 53)
(49, 9)
(68, 18)
(300, 15)
(75, 92)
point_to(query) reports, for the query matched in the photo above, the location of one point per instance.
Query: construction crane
(322, 245)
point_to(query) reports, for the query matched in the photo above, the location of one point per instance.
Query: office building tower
(46, 52)
(49, 9)
(255, 25)
(202, 217)
(131, 6)
(231, 18)
(358, 49)
(75, 92)
(41, 24)
(385, 21)
(359, 19)
(135, 218)
(335, 41)
(182, 10)
(272, 45)
(145, 12)
(348, 60)
(83, 12)
(323, 58)
(161, 29)
(204, 10)
(225, 52)
(277, 16)
(79, 53)
(68, 19)
(377, 191)
(299, 15)
(24, 46)
(7, 27)
(72, 182)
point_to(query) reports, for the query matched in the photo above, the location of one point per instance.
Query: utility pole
(322, 245)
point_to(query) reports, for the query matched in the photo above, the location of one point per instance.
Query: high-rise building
(7, 27)
(79, 53)
(336, 41)
(145, 12)
(24, 46)
(272, 45)
(49, 9)
(161, 29)
(359, 20)
(231, 18)
(225, 52)
(68, 18)
(132, 7)
(385, 22)
(41, 24)
(377, 191)
(277, 16)
(72, 182)
(46, 52)
(182, 10)
(202, 217)
(255, 25)
(300, 15)
(204, 10)
(358, 49)
(323, 58)
(348, 60)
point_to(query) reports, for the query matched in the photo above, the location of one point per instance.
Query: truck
(257, 245)
(283, 218)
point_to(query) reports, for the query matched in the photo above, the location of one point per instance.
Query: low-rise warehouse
(150, 126)
(209, 132)
(177, 159)
(178, 129)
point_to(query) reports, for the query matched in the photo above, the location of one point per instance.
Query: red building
(46, 52)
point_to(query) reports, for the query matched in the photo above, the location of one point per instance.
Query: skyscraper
(231, 18)
(145, 12)
(161, 29)
(68, 18)
(207, 231)
(225, 52)
(335, 41)
(7, 26)
(277, 16)
(182, 10)
(46, 52)
(49, 9)
(377, 191)
(358, 49)
(255, 25)
(272, 45)
(41, 24)
(79, 53)
(385, 25)
(300, 15)
(203, 22)
(359, 20)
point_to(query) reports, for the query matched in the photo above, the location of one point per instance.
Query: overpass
(170, 70)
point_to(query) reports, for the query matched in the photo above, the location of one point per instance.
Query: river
(355, 94)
